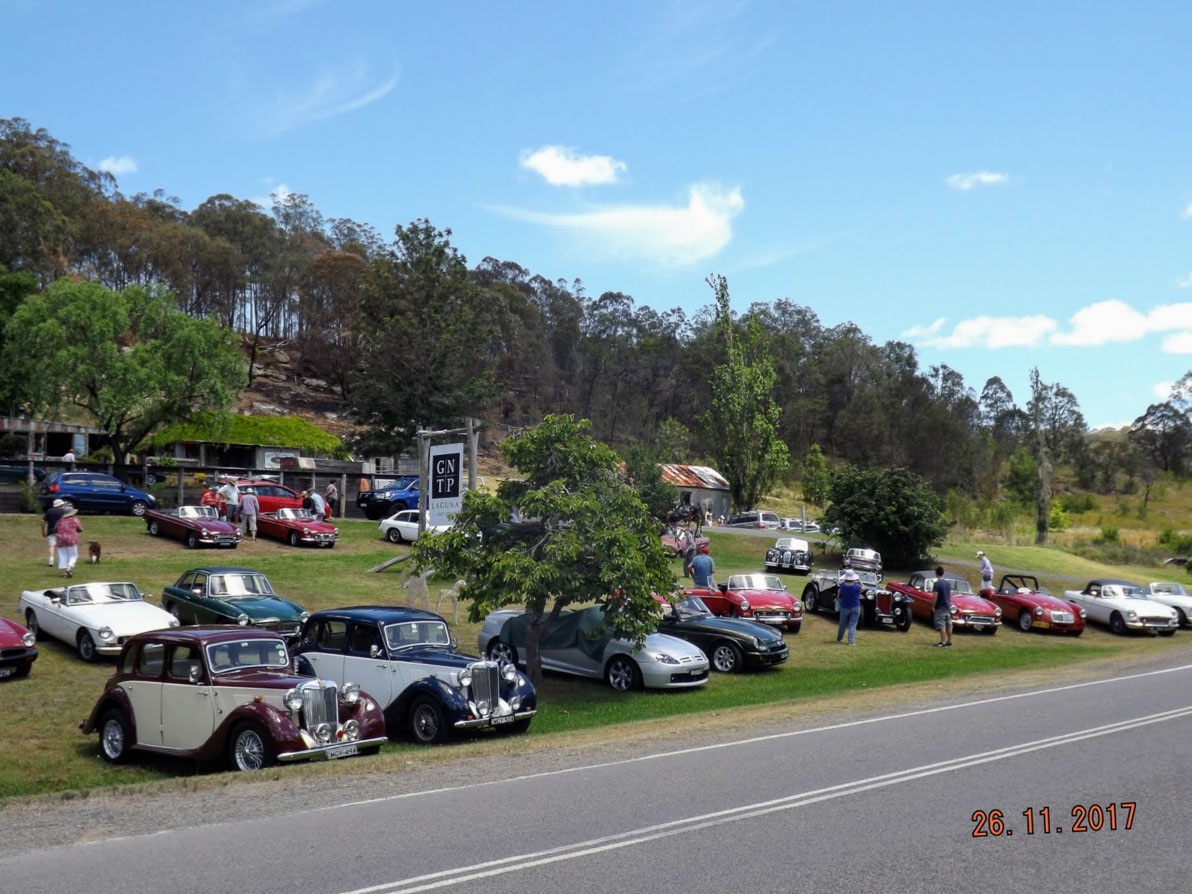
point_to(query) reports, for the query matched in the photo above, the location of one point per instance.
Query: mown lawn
(42, 750)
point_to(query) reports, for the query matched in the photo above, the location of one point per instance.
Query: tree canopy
(890, 510)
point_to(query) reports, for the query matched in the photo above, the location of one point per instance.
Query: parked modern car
(879, 606)
(1174, 595)
(194, 525)
(271, 495)
(407, 660)
(969, 611)
(388, 495)
(17, 472)
(403, 526)
(229, 595)
(731, 644)
(95, 618)
(798, 525)
(18, 649)
(93, 492)
(758, 597)
(1124, 606)
(578, 643)
(860, 558)
(1023, 601)
(211, 691)
(790, 554)
(754, 518)
(296, 527)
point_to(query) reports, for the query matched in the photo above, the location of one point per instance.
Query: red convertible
(968, 610)
(1020, 596)
(758, 597)
(193, 525)
(18, 649)
(297, 526)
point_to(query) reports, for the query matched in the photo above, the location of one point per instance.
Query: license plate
(341, 751)
(508, 718)
(5, 672)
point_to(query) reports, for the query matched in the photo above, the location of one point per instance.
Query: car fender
(113, 698)
(452, 701)
(367, 712)
(278, 725)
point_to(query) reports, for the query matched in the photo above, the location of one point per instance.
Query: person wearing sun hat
(68, 531)
(849, 594)
(986, 570)
(49, 522)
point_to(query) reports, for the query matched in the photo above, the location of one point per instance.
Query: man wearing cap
(849, 594)
(702, 567)
(49, 523)
(986, 571)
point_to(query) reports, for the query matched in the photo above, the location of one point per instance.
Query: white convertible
(95, 618)
(1174, 595)
(1124, 606)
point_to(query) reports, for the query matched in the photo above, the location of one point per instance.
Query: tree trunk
(1042, 499)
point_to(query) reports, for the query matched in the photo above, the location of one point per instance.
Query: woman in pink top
(68, 530)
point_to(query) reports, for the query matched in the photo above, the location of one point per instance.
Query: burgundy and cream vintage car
(207, 692)
(758, 597)
(194, 525)
(18, 649)
(297, 526)
(969, 611)
(1022, 600)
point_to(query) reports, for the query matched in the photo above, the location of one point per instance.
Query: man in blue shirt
(702, 567)
(849, 594)
(942, 612)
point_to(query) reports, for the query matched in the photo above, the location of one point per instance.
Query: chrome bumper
(494, 720)
(331, 750)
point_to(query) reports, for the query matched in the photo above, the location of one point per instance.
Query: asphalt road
(880, 802)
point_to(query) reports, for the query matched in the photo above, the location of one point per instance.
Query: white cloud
(335, 92)
(277, 194)
(563, 166)
(116, 166)
(1187, 212)
(976, 178)
(1112, 321)
(1162, 390)
(1178, 343)
(986, 332)
(1184, 281)
(663, 234)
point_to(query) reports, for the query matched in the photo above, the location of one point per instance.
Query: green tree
(129, 359)
(672, 441)
(742, 424)
(644, 475)
(570, 531)
(815, 476)
(890, 510)
(1023, 477)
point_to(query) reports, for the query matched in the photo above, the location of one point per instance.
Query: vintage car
(206, 692)
(93, 492)
(270, 495)
(579, 643)
(1022, 600)
(789, 554)
(296, 527)
(1124, 606)
(759, 597)
(18, 649)
(879, 606)
(226, 595)
(969, 611)
(95, 618)
(402, 526)
(194, 525)
(675, 543)
(388, 495)
(407, 660)
(731, 644)
(1174, 595)
(860, 558)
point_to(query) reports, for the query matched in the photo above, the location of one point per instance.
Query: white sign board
(446, 496)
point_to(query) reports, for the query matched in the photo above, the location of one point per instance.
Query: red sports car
(18, 649)
(759, 597)
(1020, 597)
(968, 610)
(194, 525)
(297, 526)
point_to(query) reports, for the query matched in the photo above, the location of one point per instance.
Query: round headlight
(243, 620)
(954, 610)
(1083, 614)
(744, 605)
(335, 531)
(483, 706)
(29, 640)
(464, 679)
(105, 633)
(1132, 615)
(351, 731)
(515, 703)
(292, 700)
(509, 672)
(351, 693)
(304, 617)
(323, 733)
(204, 532)
(1039, 611)
(997, 613)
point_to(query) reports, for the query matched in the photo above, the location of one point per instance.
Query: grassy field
(42, 750)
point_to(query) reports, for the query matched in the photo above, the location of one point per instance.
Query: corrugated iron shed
(693, 476)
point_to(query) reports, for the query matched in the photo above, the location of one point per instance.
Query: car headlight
(463, 679)
(954, 609)
(292, 700)
(757, 643)
(1038, 611)
(306, 530)
(1083, 614)
(997, 613)
(663, 658)
(351, 731)
(515, 703)
(335, 531)
(351, 693)
(203, 532)
(105, 633)
(29, 640)
(1132, 615)
(243, 620)
(509, 672)
(744, 605)
(304, 617)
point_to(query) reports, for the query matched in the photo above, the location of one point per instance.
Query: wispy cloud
(279, 193)
(1162, 390)
(985, 331)
(1178, 343)
(563, 166)
(759, 256)
(670, 235)
(1184, 282)
(334, 92)
(967, 181)
(118, 165)
(1186, 214)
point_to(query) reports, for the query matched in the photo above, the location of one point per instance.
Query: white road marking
(462, 874)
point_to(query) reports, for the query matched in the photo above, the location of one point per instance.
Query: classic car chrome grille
(13, 653)
(224, 539)
(320, 704)
(285, 628)
(486, 677)
(1062, 617)
(324, 538)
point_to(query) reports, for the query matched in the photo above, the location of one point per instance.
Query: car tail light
(53, 488)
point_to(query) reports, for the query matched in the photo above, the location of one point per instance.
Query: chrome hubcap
(250, 751)
(620, 675)
(113, 739)
(724, 659)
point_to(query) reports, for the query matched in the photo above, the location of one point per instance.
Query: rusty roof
(693, 476)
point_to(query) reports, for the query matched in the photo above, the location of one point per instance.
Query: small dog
(94, 550)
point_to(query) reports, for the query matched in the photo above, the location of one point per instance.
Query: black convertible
(731, 644)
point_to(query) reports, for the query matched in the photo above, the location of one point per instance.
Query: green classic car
(226, 595)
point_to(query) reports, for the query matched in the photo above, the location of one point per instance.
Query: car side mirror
(195, 675)
(55, 599)
(723, 588)
(375, 651)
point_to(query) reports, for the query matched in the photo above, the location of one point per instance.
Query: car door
(326, 650)
(144, 692)
(49, 613)
(187, 709)
(376, 675)
(107, 494)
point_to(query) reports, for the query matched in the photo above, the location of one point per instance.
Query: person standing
(210, 498)
(849, 594)
(986, 571)
(702, 568)
(942, 612)
(331, 498)
(68, 530)
(317, 506)
(69, 458)
(250, 507)
(49, 521)
(231, 497)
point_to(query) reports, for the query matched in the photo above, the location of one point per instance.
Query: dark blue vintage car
(407, 660)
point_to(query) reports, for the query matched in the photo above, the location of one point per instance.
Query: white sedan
(95, 618)
(403, 526)
(1174, 595)
(1124, 606)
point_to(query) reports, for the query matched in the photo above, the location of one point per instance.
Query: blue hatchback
(93, 492)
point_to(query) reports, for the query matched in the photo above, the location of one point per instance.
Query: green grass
(43, 750)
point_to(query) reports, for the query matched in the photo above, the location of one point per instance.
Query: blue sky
(1002, 185)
